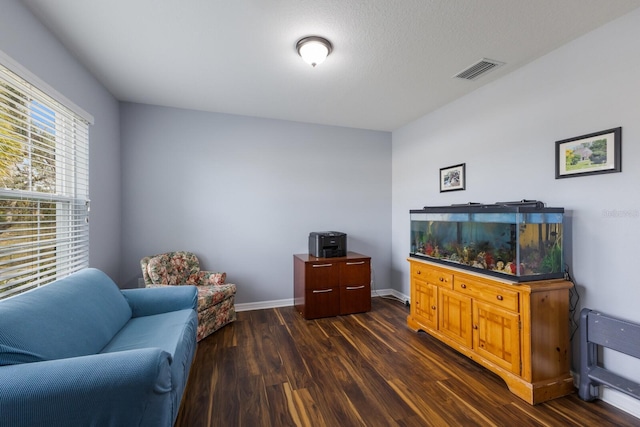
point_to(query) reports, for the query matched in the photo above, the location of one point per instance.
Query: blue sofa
(81, 352)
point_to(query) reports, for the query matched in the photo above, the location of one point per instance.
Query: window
(44, 185)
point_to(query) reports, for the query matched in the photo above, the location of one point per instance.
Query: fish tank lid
(522, 206)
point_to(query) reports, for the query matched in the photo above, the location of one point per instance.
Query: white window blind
(44, 187)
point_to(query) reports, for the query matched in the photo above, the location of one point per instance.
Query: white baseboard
(390, 292)
(289, 302)
(621, 401)
(264, 304)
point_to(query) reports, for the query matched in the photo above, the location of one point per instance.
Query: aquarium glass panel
(517, 245)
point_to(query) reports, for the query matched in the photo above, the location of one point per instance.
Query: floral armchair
(216, 299)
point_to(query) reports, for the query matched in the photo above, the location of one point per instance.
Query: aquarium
(520, 241)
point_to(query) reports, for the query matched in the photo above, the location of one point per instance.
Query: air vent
(478, 69)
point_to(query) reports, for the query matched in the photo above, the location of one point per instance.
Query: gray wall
(505, 132)
(28, 42)
(244, 193)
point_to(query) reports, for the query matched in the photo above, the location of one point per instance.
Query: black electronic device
(327, 244)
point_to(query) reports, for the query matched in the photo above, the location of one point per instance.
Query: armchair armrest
(156, 300)
(123, 388)
(211, 277)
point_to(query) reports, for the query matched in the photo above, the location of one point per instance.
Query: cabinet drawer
(432, 275)
(501, 297)
(355, 272)
(321, 275)
(322, 303)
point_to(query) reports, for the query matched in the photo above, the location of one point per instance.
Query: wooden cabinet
(325, 287)
(454, 316)
(425, 302)
(497, 335)
(520, 331)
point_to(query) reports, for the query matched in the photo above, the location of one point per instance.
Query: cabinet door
(454, 316)
(496, 335)
(425, 297)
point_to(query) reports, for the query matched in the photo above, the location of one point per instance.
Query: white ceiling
(393, 60)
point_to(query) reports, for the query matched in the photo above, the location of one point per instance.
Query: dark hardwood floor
(273, 368)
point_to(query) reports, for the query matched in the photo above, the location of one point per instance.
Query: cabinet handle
(433, 307)
(475, 326)
(463, 286)
(499, 297)
(351, 288)
(419, 272)
(321, 265)
(355, 263)
(322, 291)
(442, 279)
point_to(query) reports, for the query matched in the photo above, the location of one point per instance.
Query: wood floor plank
(255, 408)
(282, 410)
(198, 395)
(425, 412)
(310, 413)
(273, 368)
(536, 416)
(225, 401)
(371, 397)
(573, 408)
(336, 408)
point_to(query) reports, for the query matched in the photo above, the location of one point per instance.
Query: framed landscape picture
(591, 154)
(452, 178)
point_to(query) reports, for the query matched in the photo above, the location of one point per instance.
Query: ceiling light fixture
(314, 50)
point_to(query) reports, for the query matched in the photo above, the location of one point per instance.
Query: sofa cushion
(164, 331)
(57, 321)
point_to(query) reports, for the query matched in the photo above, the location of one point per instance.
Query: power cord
(574, 299)
(388, 297)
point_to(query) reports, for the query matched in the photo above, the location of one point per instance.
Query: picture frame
(453, 178)
(591, 154)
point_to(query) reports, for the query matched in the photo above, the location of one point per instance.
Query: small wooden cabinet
(325, 287)
(519, 331)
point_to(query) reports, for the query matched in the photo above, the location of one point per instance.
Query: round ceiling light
(314, 50)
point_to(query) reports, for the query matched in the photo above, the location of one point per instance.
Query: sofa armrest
(150, 301)
(123, 388)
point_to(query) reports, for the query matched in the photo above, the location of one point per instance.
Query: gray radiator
(598, 329)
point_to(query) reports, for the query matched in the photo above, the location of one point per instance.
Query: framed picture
(452, 178)
(590, 154)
